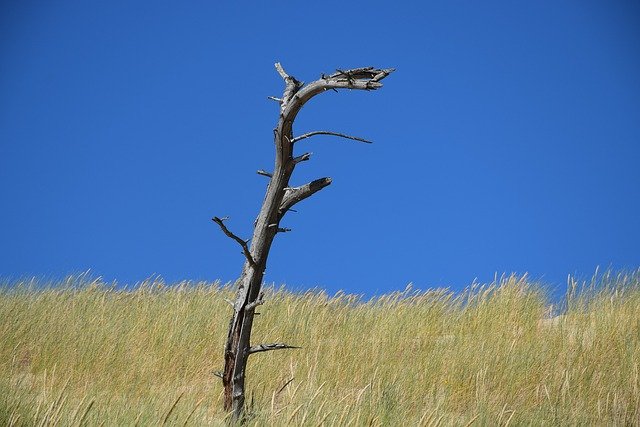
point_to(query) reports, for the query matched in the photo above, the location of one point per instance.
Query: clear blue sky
(508, 140)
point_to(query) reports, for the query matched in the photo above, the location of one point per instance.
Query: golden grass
(85, 353)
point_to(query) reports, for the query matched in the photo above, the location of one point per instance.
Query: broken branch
(225, 230)
(264, 173)
(292, 86)
(255, 303)
(269, 347)
(302, 158)
(294, 195)
(364, 73)
(281, 71)
(323, 132)
(367, 78)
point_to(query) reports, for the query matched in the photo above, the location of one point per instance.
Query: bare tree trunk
(279, 199)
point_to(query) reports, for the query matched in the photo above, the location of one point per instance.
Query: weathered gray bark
(279, 199)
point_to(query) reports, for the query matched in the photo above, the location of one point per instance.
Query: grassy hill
(85, 352)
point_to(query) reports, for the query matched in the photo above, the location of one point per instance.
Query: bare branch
(281, 71)
(382, 74)
(273, 98)
(283, 230)
(264, 173)
(323, 132)
(268, 347)
(293, 195)
(302, 158)
(364, 73)
(292, 86)
(243, 243)
(296, 96)
(256, 303)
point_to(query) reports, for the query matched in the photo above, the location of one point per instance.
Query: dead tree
(280, 198)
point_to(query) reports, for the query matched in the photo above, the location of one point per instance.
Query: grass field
(82, 352)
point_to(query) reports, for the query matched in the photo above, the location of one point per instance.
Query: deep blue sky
(508, 140)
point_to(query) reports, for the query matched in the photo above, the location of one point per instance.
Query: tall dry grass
(83, 352)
